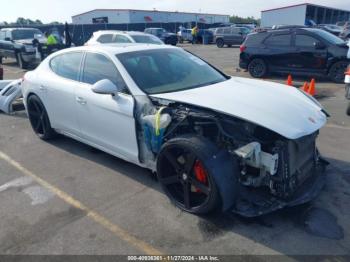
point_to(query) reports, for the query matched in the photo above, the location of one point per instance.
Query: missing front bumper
(252, 203)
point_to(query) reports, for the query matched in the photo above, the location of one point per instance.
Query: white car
(243, 145)
(185, 35)
(122, 37)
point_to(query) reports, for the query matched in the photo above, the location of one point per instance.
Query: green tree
(244, 20)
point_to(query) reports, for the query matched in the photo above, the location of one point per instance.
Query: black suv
(167, 37)
(304, 51)
(18, 43)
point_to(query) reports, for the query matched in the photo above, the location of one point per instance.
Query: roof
(18, 28)
(140, 10)
(119, 32)
(291, 6)
(113, 49)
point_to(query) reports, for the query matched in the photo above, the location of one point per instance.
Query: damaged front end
(10, 95)
(297, 177)
(273, 171)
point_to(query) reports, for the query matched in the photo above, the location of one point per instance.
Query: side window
(121, 39)
(67, 65)
(227, 31)
(98, 67)
(279, 40)
(236, 30)
(8, 34)
(105, 39)
(305, 41)
(2, 35)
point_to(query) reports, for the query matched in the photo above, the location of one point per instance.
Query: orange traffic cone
(290, 80)
(306, 87)
(312, 88)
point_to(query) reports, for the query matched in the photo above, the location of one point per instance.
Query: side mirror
(105, 87)
(319, 45)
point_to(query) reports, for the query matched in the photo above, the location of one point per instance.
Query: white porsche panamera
(215, 141)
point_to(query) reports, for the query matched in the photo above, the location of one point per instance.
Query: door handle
(81, 100)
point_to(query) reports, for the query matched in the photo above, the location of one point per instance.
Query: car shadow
(315, 219)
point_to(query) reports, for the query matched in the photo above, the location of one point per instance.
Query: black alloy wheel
(257, 68)
(336, 73)
(185, 178)
(220, 43)
(39, 119)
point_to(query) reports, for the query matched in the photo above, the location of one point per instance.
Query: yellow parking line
(116, 230)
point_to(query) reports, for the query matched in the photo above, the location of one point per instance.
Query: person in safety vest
(194, 33)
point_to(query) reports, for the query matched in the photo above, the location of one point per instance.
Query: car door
(106, 121)
(2, 40)
(8, 45)
(236, 36)
(279, 50)
(58, 88)
(311, 53)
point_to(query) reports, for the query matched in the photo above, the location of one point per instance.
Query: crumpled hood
(277, 107)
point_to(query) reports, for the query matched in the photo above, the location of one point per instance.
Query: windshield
(327, 36)
(148, 39)
(168, 70)
(26, 34)
(333, 27)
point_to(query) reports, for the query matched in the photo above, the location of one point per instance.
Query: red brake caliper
(200, 173)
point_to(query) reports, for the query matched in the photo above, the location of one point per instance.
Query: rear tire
(348, 109)
(177, 168)
(257, 68)
(220, 43)
(39, 119)
(336, 72)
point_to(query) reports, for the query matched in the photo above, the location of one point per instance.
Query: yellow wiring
(158, 114)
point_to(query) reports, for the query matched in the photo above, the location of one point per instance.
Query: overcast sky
(62, 10)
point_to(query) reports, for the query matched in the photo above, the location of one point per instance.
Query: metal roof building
(129, 16)
(302, 13)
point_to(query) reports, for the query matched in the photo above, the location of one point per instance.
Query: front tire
(184, 175)
(39, 119)
(257, 68)
(336, 72)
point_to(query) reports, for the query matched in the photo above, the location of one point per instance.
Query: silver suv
(230, 36)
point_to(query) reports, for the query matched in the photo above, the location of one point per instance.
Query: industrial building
(129, 16)
(303, 14)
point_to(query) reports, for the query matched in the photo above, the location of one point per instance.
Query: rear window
(108, 38)
(147, 39)
(255, 39)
